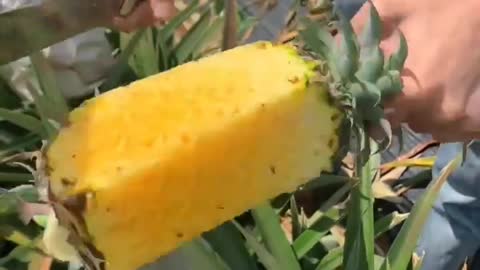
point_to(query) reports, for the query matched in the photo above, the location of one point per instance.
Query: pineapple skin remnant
(176, 154)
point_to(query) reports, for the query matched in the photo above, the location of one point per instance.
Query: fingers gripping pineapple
(143, 168)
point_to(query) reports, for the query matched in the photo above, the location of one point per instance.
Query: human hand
(442, 72)
(147, 13)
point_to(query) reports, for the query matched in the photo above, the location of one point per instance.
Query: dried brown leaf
(389, 179)
(416, 260)
(338, 233)
(286, 224)
(348, 164)
(382, 190)
(287, 37)
(414, 152)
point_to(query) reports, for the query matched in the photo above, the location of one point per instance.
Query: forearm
(30, 29)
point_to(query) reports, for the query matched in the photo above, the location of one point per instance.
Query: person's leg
(452, 231)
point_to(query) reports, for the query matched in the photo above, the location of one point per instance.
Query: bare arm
(30, 29)
(33, 28)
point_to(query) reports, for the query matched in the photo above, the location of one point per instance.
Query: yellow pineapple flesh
(178, 153)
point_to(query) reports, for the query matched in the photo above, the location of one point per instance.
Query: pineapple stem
(360, 80)
(359, 247)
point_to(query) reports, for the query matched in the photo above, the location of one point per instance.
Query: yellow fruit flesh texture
(178, 153)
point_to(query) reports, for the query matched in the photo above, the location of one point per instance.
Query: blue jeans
(452, 231)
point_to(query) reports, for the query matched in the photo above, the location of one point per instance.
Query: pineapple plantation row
(352, 217)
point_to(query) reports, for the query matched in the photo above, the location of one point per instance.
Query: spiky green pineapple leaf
(372, 34)
(19, 144)
(169, 29)
(264, 255)
(396, 77)
(400, 252)
(397, 60)
(331, 261)
(57, 105)
(40, 220)
(212, 32)
(189, 43)
(28, 193)
(371, 56)
(163, 52)
(23, 120)
(48, 98)
(366, 95)
(312, 235)
(318, 39)
(8, 203)
(165, 35)
(328, 205)
(388, 222)
(121, 67)
(14, 230)
(15, 177)
(267, 222)
(143, 59)
(347, 56)
(245, 25)
(297, 226)
(41, 105)
(371, 64)
(386, 85)
(390, 84)
(227, 241)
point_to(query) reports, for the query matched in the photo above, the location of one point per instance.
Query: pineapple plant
(214, 138)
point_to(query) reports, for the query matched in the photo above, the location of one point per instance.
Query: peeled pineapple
(179, 153)
(143, 168)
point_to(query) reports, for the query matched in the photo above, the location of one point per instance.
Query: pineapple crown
(360, 79)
